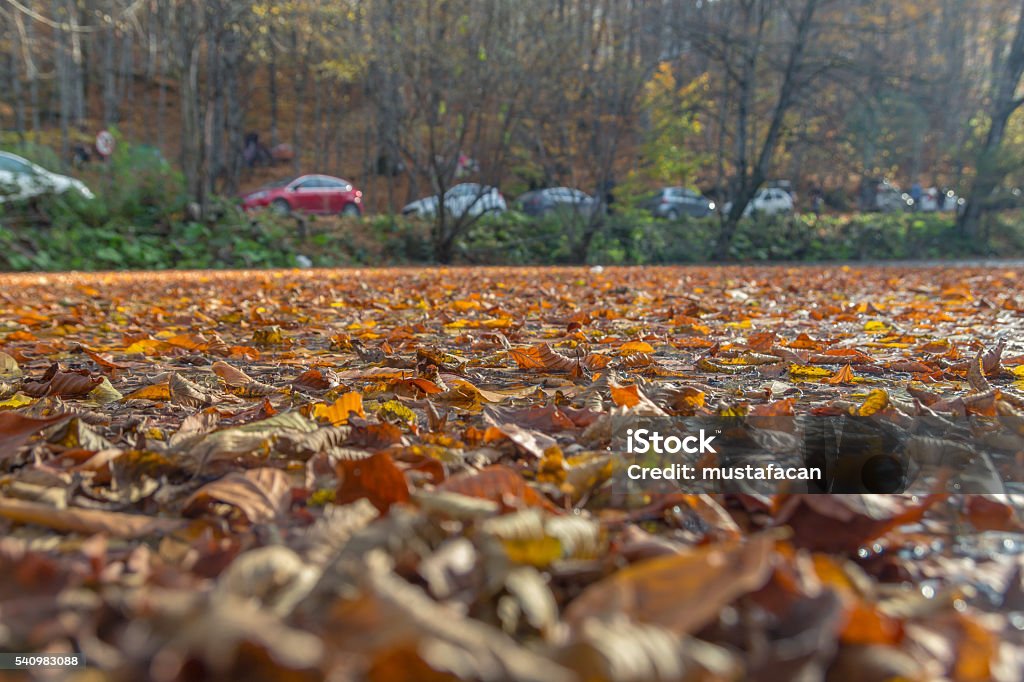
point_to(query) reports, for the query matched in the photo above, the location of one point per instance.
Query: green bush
(139, 221)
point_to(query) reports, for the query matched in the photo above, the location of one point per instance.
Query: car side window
(13, 165)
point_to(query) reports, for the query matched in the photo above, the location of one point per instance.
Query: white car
(768, 201)
(22, 179)
(467, 199)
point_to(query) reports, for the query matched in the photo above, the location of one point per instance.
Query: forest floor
(420, 473)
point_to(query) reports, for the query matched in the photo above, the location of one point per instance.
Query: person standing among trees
(916, 193)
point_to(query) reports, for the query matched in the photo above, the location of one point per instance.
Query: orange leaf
(338, 412)
(154, 392)
(636, 347)
(843, 376)
(376, 478)
(527, 358)
(625, 396)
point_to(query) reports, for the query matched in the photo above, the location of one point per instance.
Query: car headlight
(82, 189)
(256, 196)
(711, 206)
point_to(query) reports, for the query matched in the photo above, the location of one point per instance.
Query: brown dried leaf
(261, 495)
(679, 592)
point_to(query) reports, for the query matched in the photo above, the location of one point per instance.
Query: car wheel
(351, 210)
(672, 214)
(280, 207)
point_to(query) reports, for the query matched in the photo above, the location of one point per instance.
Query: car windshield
(14, 165)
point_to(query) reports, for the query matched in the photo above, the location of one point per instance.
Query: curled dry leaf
(187, 393)
(62, 383)
(544, 358)
(261, 495)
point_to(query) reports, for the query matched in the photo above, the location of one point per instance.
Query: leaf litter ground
(409, 474)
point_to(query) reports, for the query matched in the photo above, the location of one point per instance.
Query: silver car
(22, 179)
(469, 199)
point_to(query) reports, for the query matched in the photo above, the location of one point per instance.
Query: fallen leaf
(261, 495)
(681, 592)
(376, 478)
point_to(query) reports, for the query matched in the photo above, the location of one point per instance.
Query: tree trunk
(1003, 103)
(747, 186)
(272, 88)
(63, 84)
(300, 102)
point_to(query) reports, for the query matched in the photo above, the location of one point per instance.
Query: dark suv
(675, 202)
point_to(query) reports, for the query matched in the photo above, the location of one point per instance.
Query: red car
(308, 194)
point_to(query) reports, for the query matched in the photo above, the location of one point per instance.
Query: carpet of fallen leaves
(404, 475)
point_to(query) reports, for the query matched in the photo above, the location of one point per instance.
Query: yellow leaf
(155, 392)
(146, 347)
(876, 327)
(105, 393)
(635, 347)
(876, 401)
(393, 410)
(744, 324)
(15, 401)
(539, 552)
(270, 336)
(552, 467)
(806, 372)
(338, 411)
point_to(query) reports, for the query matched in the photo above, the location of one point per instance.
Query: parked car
(785, 185)
(308, 194)
(935, 199)
(461, 200)
(543, 201)
(675, 202)
(885, 197)
(22, 179)
(767, 201)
